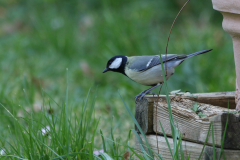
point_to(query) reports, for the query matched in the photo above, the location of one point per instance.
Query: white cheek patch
(116, 63)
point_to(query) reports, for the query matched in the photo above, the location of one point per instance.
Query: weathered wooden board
(191, 148)
(221, 99)
(191, 126)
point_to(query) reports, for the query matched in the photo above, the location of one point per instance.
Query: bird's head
(116, 64)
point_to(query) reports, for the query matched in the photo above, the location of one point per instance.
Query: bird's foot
(141, 95)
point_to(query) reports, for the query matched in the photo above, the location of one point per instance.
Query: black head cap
(116, 64)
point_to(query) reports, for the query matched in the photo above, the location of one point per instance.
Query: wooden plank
(191, 148)
(190, 125)
(216, 98)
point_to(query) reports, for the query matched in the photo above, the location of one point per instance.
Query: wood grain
(194, 149)
(194, 128)
(190, 125)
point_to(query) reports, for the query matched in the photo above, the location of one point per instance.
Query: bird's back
(142, 63)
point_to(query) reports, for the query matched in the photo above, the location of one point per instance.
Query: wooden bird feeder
(214, 107)
(192, 127)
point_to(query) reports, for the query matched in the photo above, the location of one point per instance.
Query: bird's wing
(142, 63)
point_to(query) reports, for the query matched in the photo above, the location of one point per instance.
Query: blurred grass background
(40, 39)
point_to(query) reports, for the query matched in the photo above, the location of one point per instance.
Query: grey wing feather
(145, 62)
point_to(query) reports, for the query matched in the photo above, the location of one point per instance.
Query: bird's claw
(140, 96)
(136, 98)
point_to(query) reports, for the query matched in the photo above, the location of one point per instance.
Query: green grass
(40, 39)
(60, 135)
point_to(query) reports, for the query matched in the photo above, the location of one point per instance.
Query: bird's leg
(143, 93)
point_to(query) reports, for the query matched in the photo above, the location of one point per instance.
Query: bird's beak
(105, 70)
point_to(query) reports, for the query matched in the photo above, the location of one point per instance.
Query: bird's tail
(197, 53)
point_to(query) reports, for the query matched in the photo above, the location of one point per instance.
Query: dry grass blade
(171, 31)
(166, 59)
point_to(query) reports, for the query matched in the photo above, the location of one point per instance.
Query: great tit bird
(147, 70)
